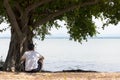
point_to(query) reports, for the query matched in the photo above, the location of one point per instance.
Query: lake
(101, 55)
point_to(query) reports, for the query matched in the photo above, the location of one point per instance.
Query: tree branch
(60, 12)
(24, 15)
(37, 4)
(12, 18)
(18, 7)
(89, 3)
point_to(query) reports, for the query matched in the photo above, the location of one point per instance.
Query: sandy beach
(59, 76)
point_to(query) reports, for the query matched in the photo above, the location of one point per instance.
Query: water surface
(62, 54)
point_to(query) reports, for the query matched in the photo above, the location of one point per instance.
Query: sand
(59, 76)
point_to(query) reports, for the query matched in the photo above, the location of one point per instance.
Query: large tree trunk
(16, 49)
(21, 34)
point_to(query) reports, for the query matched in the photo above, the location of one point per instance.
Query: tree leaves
(78, 20)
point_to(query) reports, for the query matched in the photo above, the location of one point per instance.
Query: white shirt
(31, 60)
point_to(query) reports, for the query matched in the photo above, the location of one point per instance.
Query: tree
(30, 18)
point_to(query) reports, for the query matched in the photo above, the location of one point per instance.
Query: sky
(109, 31)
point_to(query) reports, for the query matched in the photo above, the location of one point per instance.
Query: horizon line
(62, 37)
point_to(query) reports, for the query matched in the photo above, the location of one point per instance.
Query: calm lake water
(101, 55)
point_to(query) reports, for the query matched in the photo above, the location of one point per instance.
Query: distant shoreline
(68, 38)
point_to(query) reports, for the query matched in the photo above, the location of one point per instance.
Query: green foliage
(40, 32)
(2, 12)
(78, 20)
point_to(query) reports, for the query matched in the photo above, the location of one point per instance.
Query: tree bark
(16, 49)
(21, 35)
(13, 50)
